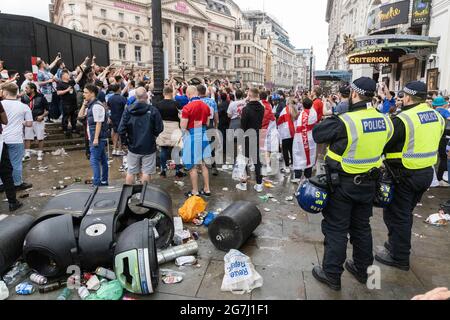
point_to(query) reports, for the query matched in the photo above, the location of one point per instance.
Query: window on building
(137, 37)
(103, 13)
(177, 51)
(226, 39)
(72, 8)
(194, 54)
(122, 51)
(121, 34)
(225, 63)
(121, 16)
(209, 35)
(218, 37)
(217, 63)
(137, 19)
(178, 30)
(104, 32)
(138, 54)
(209, 62)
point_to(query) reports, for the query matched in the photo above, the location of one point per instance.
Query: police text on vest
(373, 125)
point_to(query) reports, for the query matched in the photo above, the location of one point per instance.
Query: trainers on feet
(259, 188)
(241, 186)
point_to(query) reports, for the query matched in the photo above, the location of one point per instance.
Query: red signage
(126, 6)
(182, 7)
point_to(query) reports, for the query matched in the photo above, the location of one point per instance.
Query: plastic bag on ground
(111, 291)
(439, 219)
(4, 292)
(240, 274)
(191, 208)
(239, 171)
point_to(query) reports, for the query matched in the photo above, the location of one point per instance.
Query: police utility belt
(331, 180)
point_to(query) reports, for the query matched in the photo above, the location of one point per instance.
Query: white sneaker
(40, 156)
(121, 153)
(295, 181)
(259, 188)
(224, 167)
(241, 186)
(252, 168)
(286, 171)
(443, 184)
(114, 153)
(26, 158)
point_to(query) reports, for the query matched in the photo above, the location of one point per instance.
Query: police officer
(411, 154)
(356, 142)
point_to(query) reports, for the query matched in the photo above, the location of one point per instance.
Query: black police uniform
(349, 208)
(409, 189)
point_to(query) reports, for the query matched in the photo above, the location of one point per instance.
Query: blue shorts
(196, 148)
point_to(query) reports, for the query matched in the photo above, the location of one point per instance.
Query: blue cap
(439, 102)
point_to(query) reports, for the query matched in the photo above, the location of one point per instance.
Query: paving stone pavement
(283, 250)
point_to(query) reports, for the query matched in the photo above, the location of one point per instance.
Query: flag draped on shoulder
(304, 147)
(286, 126)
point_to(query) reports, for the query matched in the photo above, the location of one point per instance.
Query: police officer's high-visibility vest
(368, 132)
(424, 130)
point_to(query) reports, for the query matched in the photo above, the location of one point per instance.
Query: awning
(407, 43)
(333, 75)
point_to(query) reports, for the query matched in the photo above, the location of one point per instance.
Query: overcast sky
(303, 19)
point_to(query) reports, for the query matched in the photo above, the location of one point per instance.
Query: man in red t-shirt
(316, 95)
(196, 146)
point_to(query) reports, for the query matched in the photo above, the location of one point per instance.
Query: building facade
(211, 38)
(282, 53)
(249, 56)
(198, 33)
(392, 41)
(303, 64)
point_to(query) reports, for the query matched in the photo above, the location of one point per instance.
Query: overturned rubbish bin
(234, 226)
(50, 247)
(13, 230)
(81, 226)
(136, 263)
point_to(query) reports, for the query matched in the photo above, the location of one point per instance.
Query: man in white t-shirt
(235, 110)
(6, 168)
(29, 78)
(19, 115)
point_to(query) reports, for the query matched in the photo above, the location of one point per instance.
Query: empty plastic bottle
(66, 294)
(16, 274)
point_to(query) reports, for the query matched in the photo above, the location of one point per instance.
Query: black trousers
(69, 115)
(443, 160)
(398, 217)
(6, 176)
(255, 157)
(348, 211)
(308, 173)
(287, 145)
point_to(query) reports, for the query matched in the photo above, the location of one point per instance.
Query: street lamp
(183, 67)
(158, 51)
(311, 58)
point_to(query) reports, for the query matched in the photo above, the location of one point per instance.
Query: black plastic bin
(234, 226)
(13, 230)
